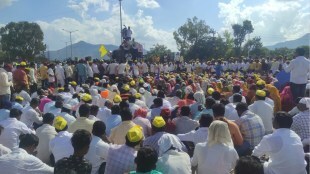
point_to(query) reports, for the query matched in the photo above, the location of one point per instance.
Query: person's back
(184, 123)
(174, 162)
(82, 122)
(284, 148)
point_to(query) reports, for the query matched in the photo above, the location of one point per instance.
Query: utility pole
(120, 18)
(70, 32)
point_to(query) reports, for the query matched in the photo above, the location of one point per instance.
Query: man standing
(284, 148)
(81, 72)
(5, 91)
(299, 69)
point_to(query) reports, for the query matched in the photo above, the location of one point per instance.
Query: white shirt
(20, 162)
(217, 159)
(12, 130)
(47, 106)
(133, 107)
(231, 99)
(231, 112)
(4, 150)
(92, 117)
(104, 113)
(97, 153)
(29, 116)
(69, 118)
(61, 146)
(198, 136)
(121, 68)
(45, 134)
(112, 68)
(285, 150)
(25, 96)
(299, 68)
(265, 112)
(174, 162)
(269, 101)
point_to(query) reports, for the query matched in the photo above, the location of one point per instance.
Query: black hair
(48, 118)
(260, 98)
(131, 99)
(98, 128)
(205, 120)
(126, 114)
(300, 51)
(131, 144)
(15, 113)
(84, 110)
(191, 96)
(35, 102)
(224, 101)
(249, 164)
(158, 102)
(178, 93)
(283, 119)
(63, 109)
(115, 110)
(236, 89)
(161, 94)
(80, 139)
(242, 107)
(94, 110)
(123, 105)
(58, 104)
(146, 159)
(216, 95)
(210, 102)
(237, 98)
(27, 140)
(185, 111)
(218, 110)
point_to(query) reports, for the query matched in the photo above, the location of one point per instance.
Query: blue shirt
(111, 122)
(218, 69)
(4, 114)
(16, 105)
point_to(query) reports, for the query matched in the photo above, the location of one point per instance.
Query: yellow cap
(158, 122)
(126, 87)
(135, 134)
(137, 95)
(60, 123)
(210, 91)
(260, 82)
(73, 83)
(132, 83)
(19, 98)
(61, 89)
(86, 98)
(117, 99)
(23, 63)
(261, 93)
(27, 68)
(96, 79)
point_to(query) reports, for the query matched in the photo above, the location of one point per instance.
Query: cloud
(105, 31)
(273, 20)
(148, 3)
(5, 3)
(82, 7)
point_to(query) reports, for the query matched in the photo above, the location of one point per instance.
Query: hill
(304, 40)
(81, 49)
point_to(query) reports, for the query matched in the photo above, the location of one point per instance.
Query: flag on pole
(103, 51)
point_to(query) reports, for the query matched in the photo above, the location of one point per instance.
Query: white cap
(67, 106)
(306, 101)
(141, 90)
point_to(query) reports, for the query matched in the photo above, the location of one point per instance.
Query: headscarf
(140, 113)
(200, 98)
(275, 96)
(219, 134)
(287, 101)
(167, 141)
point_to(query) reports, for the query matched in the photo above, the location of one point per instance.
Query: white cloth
(61, 146)
(69, 118)
(231, 112)
(92, 117)
(198, 136)
(217, 159)
(20, 162)
(269, 101)
(133, 107)
(5, 82)
(174, 162)
(29, 116)
(48, 106)
(299, 69)
(12, 130)
(265, 112)
(121, 68)
(45, 134)
(285, 151)
(231, 99)
(25, 96)
(97, 153)
(104, 113)
(4, 150)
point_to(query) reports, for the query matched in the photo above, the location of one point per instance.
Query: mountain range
(304, 40)
(84, 49)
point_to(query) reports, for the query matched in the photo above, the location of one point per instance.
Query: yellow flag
(103, 51)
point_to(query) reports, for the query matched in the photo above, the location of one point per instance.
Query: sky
(154, 21)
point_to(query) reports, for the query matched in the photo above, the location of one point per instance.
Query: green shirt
(151, 172)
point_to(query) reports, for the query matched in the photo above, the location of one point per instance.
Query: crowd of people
(224, 116)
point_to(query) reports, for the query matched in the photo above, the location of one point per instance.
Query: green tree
(158, 51)
(22, 39)
(229, 44)
(240, 31)
(191, 33)
(253, 46)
